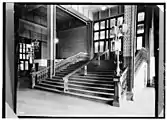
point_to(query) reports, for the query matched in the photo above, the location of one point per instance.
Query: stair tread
(51, 85)
(82, 82)
(90, 96)
(91, 91)
(53, 89)
(86, 76)
(101, 88)
(87, 79)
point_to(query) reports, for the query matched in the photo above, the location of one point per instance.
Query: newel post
(65, 84)
(117, 94)
(33, 77)
(85, 70)
(99, 60)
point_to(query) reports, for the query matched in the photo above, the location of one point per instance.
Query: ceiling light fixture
(103, 8)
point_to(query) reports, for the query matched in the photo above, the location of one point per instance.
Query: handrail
(71, 59)
(120, 84)
(37, 76)
(65, 79)
(142, 55)
(100, 54)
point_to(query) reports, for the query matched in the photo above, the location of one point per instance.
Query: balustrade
(84, 67)
(43, 73)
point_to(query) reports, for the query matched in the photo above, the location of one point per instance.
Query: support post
(118, 69)
(65, 84)
(117, 96)
(99, 60)
(85, 70)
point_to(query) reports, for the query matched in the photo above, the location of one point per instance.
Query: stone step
(93, 77)
(91, 92)
(95, 81)
(91, 88)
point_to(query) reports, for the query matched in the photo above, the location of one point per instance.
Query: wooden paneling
(72, 41)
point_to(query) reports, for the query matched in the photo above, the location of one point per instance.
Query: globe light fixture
(56, 40)
(103, 8)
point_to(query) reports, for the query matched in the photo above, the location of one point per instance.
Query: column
(55, 36)
(128, 48)
(10, 68)
(50, 40)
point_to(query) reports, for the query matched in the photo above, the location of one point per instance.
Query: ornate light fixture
(118, 31)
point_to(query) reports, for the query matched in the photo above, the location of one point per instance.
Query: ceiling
(63, 18)
(95, 8)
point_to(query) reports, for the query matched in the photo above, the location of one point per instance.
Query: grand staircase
(97, 84)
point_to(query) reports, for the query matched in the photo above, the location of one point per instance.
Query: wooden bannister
(43, 73)
(140, 57)
(65, 79)
(73, 59)
(39, 75)
(120, 87)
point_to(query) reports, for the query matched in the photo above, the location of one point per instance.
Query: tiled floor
(33, 102)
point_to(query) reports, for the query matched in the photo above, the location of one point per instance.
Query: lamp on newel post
(118, 31)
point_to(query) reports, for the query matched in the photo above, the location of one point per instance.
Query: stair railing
(140, 57)
(37, 76)
(84, 67)
(120, 84)
(70, 60)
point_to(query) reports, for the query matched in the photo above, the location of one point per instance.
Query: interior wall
(9, 56)
(72, 41)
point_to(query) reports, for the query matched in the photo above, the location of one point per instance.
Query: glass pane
(120, 21)
(112, 22)
(139, 42)
(107, 24)
(20, 50)
(23, 50)
(23, 56)
(102, 25)
(24, 46)
(112, 33)
(107, 34)
(106, 45)
(26, 65)
(101, 46)
(30, 60)
(102, 35)
(141, 16)
(27, 56)
(96, 26)
(21, 65)
(140, 28)
(96, 47)
(20, 56)
(96, 36)
(20, 45)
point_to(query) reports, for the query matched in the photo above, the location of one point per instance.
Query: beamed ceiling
(63, 19)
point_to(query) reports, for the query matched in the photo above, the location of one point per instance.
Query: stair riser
(92, 78)
(92, 85)
(54, 83)
(54, 87)
(92, 81)
(93, 99)
(92, 94)
(91, 88)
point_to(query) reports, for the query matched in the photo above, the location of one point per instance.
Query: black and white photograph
(83, 60)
